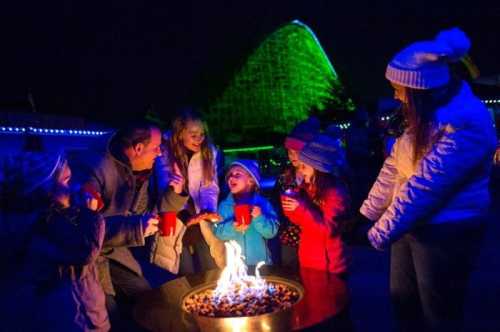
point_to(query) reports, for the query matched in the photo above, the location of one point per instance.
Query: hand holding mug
(289, 204)
(242, 228)
(150, 224)
(256, 211)
(91, 203)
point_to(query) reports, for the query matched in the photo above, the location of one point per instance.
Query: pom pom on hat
(456, 40)
(424, 65)
(302, 133)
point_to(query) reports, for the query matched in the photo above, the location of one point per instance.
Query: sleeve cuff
(376, 240)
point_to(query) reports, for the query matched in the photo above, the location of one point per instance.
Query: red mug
(167, 223)
(242, 214)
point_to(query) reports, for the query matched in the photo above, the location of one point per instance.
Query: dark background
(111, 60)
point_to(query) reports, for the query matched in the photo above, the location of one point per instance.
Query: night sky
(110, 60)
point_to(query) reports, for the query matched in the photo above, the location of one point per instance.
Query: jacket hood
(114, 150)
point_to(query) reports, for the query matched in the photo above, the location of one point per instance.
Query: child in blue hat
(261, 224)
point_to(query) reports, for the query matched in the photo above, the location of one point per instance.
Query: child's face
(307, 171)
(193, 136)
(64, 176)
(239, 181)
(293, 156)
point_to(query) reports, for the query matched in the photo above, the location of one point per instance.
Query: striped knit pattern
(425, 77)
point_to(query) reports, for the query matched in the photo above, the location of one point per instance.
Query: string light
(50, 131)
(491, 101)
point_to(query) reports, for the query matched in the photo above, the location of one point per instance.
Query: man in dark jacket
(120, 181)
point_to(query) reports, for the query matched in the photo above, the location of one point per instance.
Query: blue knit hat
(251, 166)
(424, 64)
(324, 154)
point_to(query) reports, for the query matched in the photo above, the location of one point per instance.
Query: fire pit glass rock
(240, 295)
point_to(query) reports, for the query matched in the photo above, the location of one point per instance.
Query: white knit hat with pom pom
(424, 65)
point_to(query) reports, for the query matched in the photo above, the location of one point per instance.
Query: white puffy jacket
(205, 198)
(449, 184)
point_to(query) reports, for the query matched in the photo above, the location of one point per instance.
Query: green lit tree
(285, 78)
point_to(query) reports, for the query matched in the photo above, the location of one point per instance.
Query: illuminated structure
(285, 78)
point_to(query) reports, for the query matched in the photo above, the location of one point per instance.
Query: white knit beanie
(424, 65)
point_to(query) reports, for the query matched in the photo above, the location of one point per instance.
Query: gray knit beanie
(424, 64)
(324, 154)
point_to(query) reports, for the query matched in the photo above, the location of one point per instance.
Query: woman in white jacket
(188, 150)
(430, 198)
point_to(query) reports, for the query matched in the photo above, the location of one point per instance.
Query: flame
(234, 283)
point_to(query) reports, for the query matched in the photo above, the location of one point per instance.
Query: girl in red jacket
(321, 207)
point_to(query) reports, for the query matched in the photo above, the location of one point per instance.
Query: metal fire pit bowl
(280, 320)
(324, 297)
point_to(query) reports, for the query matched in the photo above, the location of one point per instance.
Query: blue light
(49, 131)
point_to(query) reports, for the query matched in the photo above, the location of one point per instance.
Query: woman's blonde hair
(419, 110)
(178, 150)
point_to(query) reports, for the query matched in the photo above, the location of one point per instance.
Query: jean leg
(186, 264)
(403, 286)
(127, 283)
(444, 255)
(204, 260)
(128, 287)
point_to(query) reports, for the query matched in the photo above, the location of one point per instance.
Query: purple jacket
(57, 282)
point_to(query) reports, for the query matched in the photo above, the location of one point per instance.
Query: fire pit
(239, 295)
(315, 297)
(241, 298)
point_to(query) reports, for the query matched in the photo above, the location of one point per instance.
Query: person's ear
(139, 148)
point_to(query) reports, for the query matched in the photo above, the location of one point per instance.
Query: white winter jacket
(449, 184)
